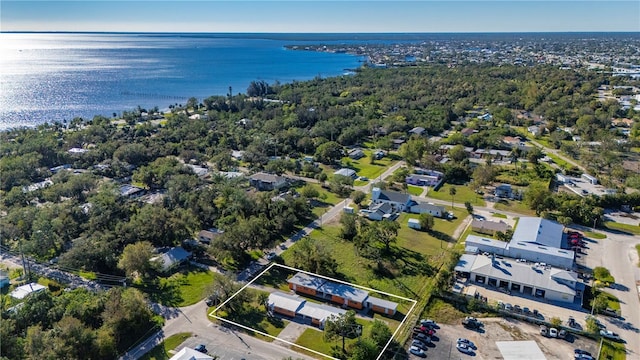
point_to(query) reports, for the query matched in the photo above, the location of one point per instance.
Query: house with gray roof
(489, 227)
(267, 182)
(346, 172)
(540, 231)
(399, 201)
(171, 259)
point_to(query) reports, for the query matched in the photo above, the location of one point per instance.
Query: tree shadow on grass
(163, 292)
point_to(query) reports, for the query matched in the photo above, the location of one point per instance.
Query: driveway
(291, 333)
(618, 254)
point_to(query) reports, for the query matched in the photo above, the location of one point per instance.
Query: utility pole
(24, 264)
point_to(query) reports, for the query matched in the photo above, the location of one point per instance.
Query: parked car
(508, 307)
(201, 348)
(583, 357)
(517, 308)
(610, 335)
(417, 351)
(553, 332)
(271, 255)
(422, 337)
(526, 310)
(419, 344)
(429, 322)
(467, 342)
(543, 330)
(464, 348)
(209, 302)
(562, 333)
(581, 352)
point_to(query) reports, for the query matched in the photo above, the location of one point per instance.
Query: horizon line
(321, 33)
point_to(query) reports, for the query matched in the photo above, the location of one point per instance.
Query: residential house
(425, 177)
(467, 131)
(504, 191)
(22, 291)
(131, 191)
(237, 154)
(171, 259)
(267, 182)
(379, 211)
(417, 131)
(397, 143)
(485, 117)
(513, 142)
(428, 208)
(379, 154)
(398, 201)
(318, 314)
(207, 236)
(346, 172)
(355, 154)
(343, 294)
(591, 179)
(534, 130)
(489, 227)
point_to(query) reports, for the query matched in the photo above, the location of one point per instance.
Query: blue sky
(320, 16)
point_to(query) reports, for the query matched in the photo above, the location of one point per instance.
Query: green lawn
(463, 194)
(314, 339)
(183, 288)
(559, 161)
(594, 235)
(415, 190)
(514, 206)
(612, 351)
(498, 215)
(633, 229)
(161, 351)
(365, 168)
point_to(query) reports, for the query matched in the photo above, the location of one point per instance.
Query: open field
(365, 168)
(463, 194)
(183, 288)
(514, 206)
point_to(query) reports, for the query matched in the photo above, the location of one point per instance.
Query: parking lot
(498, 329)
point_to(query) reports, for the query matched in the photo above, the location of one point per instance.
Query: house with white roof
(187, 353)
(22, 291)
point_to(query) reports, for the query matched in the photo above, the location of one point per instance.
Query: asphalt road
(224, 342)
(618, 254)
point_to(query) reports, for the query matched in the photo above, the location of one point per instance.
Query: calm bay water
(53, 77)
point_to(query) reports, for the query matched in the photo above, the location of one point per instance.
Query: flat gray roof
(285, 301)
(522, 273)
(310, 281)
(344, 291)
(539, 230)
(319, 311)
(382, 303)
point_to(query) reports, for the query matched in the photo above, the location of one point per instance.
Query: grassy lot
(594, 235)
(615, 226)
(612, 351)
(254, 315)
(365, 168)
(161, 351)
(560, 162)
(463, 194)
(443, 311)
(427, 243)
(314, 339)
(514, 206)
(498, 215)
(183, 288)
(415, 190)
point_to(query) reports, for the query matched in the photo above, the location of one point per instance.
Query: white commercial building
(534, 239)
(527, 278)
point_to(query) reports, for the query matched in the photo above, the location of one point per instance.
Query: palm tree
(452, 192)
